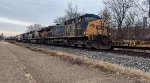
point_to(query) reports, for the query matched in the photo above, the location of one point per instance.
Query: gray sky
(16, 15)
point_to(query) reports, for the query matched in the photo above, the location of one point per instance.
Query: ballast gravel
(128, 61)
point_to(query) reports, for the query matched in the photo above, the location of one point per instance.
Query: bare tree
(130, 19)
(119, 10)
(59, 20)
(105, 14)
(144, 6)
(34, 27)
(70, 13)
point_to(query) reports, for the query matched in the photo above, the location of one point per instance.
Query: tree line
(127, 18)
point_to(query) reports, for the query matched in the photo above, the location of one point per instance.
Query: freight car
(88, 30)
(131, 44)
(19, 38)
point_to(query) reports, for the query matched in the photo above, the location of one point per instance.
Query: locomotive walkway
(21, 65)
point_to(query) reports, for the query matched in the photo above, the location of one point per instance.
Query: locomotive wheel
(76, 45)
(83, 45)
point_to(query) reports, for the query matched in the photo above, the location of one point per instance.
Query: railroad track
(119, 50)
(132, 47)
(129, 51)
(126, 57)
(123, 51)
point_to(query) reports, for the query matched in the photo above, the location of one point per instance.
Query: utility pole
(149, 9)
(2, 36)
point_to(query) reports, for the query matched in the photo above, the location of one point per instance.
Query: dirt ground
(21, 65)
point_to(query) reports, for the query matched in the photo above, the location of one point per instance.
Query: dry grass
(103, 66)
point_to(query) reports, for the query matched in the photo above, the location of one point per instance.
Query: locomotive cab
(98, 34)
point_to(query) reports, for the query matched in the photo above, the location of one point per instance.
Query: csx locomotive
(88, 30)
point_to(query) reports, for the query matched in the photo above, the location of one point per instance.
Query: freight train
(88, 30)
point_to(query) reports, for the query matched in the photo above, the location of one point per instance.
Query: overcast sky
(16, 15)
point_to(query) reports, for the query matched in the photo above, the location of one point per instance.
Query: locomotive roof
(91, 15)
(85, 15)
(49, 27)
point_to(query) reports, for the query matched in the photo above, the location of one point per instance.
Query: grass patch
(103, 66)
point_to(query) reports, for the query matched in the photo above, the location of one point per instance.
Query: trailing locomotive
(88, 30)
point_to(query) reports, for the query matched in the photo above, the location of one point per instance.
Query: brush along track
(126, 58)
(92, 63)
(139, 52)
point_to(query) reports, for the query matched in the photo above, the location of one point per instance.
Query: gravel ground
(11, 70)
(129, 61)
(21, 65)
